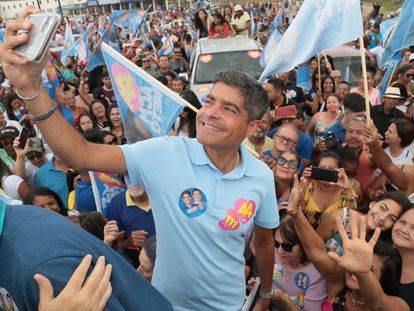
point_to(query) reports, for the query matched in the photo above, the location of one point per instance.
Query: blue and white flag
(130, 18)
(382, 86)
(80, 48)
(270, 47)
(148, 108)
(346, 75)
(68, 41)
(303, 76)
(110, 38)
(319, 25)
(386, 28)
(167, 46)
(402, 34)
(144, 33)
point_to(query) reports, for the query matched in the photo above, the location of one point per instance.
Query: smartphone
(286, 111)
(24, 111)
(324, 174)
(44, 26)
(24, 136)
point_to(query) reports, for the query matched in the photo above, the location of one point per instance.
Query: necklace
(354, 301)
(237, 160)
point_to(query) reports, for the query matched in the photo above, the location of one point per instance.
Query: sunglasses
(409, 75)
(112, 142)
(31, 157)
(285, 246)
(291, 163)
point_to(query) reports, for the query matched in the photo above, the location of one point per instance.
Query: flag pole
(392, 74)
(364, 77)
(319, 73)
(328, 64)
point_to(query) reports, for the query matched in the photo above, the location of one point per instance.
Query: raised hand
(78, 294)
(343, 180)
(357, 256)
(296, 195)
(137, 238)
(24, 75)
(19, 151)
(370, 135)
(111, 232)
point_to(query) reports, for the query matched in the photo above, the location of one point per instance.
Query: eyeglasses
(285, 246)
(146, 61)
(33, 156)
(284, 139)
(177, 52)
(291, 163)
(409, 75)
(288, 119)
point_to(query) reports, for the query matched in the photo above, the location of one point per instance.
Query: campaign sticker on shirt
(254, 54)
(205, 59)
(6, 301)
(242, 212)
(193, 202)
(302, 280)
(277, 272)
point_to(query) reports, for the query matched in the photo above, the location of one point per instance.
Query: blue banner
(129, 19)
(319, 25)
(80, 48)
(167, 46)
(270, 47)
(148, 108)
(303, 76)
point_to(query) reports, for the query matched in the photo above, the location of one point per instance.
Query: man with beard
(258, 140)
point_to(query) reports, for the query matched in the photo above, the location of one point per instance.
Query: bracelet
(34, 96)
(46, 115)
(266, 295)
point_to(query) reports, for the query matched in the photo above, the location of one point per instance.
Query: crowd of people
(299, 190)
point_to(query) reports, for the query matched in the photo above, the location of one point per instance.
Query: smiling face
(332, 104)
(115, 117)
(284, 172)
(85, 123)
(353, 135)
(328, 85)
(285, 139)
(391, 135)
(288, 257)
(98, 109)
(222, 123)
(47, 201)
(383, 214)
(403, 231)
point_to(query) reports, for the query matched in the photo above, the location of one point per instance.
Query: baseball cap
(9, 131)
(35, 144)
(238, 7)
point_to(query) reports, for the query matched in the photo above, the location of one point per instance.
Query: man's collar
(199, 157)
(130, 202)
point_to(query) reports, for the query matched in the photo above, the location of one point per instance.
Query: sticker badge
(254, 54)
(277, 272)
(193, 202)
(6, 301)
(302, 280)
(205, 59)
(242, 212)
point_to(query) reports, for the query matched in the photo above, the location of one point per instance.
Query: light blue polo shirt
(201, 217)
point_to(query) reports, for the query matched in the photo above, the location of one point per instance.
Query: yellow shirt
(267, 146)
(241, 23)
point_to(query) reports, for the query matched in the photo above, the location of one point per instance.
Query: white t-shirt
(10, 186)
(405, 158)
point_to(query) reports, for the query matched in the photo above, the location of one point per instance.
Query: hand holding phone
(24, 136)
(324, 174)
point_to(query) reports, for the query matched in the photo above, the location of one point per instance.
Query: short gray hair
(256, 99)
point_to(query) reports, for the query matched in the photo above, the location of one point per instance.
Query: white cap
(238, 7)
(411, 57)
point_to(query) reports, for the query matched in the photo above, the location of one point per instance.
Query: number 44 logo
(242, 212)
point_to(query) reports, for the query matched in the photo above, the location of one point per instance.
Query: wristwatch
(266, 295)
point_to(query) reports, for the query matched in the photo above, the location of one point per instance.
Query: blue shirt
(130, 217)
(51, 177)
(85, 200)
(36, 240)
(201, 218)
(338, 130)
(304, 146)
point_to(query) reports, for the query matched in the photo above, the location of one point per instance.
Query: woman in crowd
(219, 28)
(287, 166)
(16, 111)
(115, 123)
(328, 86)
(46, 198)
(373, 93)
(201, 24)
(321, 121)
(366, 277)
(4, 122)
(74, 111)
(382, 213)
(186, 122)
(86, 122)
(403, 239)
(99, 113)
(296, 282)
(322, 197)
(406, 77)
(84, 97)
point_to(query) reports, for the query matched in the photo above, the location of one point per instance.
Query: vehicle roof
(238, 43)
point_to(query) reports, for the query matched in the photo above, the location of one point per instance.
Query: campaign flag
(129, 19)
(80, 47)
(277, 21)
(319, 25)
(303, 76)
(110, 38)
(402, 34)
(346, 75)
(105, 186)
(386, 28)
(101, 27)
(68, 41)
(167, 46)
(270, 47)
(144, 33)
(148, 108)
(252, 23)
(382, 86)
(50, 78)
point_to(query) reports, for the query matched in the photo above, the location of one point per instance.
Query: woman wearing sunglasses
(406, 77)
(297, 284)
(287, 166)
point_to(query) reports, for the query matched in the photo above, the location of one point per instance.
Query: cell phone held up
(44, 26)
(324, 174)
(24, 136)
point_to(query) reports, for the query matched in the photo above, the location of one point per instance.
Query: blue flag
(382, 86)
(167, 46)
(130, 19)
(386, 28)
(68, 42)
(80, 48)
(144, 33)
(110, 38)
(303, 76)
(402, 34)
(148, 108)
(270, 47)
(319, 25)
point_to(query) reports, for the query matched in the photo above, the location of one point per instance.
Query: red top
(224, 32)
